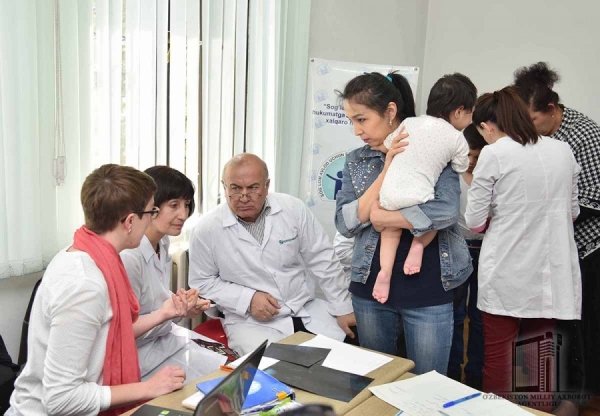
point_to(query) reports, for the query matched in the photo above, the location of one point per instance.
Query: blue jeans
(428, 332)
(468, 307)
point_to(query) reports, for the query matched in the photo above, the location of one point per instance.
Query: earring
(390, 122)
(128, 231)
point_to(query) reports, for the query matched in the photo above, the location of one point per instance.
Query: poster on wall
(329, 134)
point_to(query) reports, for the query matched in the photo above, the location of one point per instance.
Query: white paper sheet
(426, 394)
(264, 362)
(192, 401)
(345, 357)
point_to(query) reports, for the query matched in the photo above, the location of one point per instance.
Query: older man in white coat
(257, 257)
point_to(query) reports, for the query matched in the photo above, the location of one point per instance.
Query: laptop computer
(226, 399)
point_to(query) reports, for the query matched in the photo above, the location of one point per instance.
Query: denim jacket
(361, 169)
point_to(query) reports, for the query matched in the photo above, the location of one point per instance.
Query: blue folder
(265, 390)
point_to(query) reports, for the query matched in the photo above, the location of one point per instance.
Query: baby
(435, 140)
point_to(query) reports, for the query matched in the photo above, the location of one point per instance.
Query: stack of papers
(426, 395)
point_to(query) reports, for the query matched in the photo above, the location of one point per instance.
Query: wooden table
(374, 406)
(384, 374)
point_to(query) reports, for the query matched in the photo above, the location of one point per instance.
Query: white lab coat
(528, 267)
(228, 265)
(344, 248)
(168, 343)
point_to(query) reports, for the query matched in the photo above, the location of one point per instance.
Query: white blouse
(167, 343)
(68, 328)
(528, 266)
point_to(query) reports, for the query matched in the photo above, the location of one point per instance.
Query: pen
(212, 302)
(225, 368)
(462, 399)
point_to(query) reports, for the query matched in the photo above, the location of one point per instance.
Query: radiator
(179, 278)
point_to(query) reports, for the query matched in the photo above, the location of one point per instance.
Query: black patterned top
(582, 134)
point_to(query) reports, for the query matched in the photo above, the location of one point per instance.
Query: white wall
(487, 40)
(14, 298)
(387, 32)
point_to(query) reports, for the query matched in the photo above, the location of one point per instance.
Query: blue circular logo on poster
(329, 180)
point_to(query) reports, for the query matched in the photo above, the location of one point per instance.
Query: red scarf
(121, 365)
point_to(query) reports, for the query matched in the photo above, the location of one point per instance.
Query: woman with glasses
(149, 270)
(82, 357)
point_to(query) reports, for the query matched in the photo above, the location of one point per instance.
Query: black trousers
(590, 320)
(582, 338)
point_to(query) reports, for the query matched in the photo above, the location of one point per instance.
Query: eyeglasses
(153, 213)
(237, 194)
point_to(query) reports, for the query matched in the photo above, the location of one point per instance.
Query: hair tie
(389, 78)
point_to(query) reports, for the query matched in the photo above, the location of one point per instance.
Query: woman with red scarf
(82, 357)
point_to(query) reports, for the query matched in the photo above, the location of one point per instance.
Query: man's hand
(345, 322)
(263, 307)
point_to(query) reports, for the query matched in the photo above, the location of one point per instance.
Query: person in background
(551, 118)
(82, 358)
(255, 256)
(149, 270)
(524, 196)
(467, 292)
(421, 304)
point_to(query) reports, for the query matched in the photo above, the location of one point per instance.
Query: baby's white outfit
(413, 173)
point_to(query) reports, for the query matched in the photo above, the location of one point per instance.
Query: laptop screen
(229, 395)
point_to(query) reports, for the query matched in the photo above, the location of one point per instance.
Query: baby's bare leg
(390, 239)
(412, 265)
